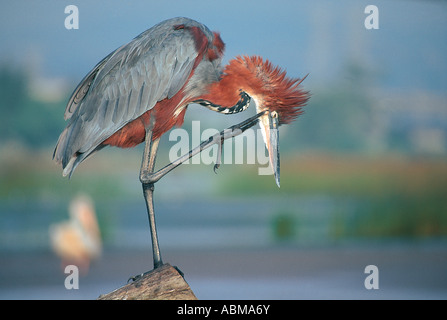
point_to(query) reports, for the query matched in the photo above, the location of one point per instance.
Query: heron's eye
(179, 26)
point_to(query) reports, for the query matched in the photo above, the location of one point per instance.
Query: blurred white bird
(78, 240)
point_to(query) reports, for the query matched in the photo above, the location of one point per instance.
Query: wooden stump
(163, 283)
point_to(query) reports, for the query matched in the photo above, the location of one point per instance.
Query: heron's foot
(137, 277)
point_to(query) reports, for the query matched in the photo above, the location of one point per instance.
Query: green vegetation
(347, 175)
(398, 215)
(33, 175)
(28, 121)
(374, 197)
(284, 226)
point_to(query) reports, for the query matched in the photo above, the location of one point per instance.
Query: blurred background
(364, 170)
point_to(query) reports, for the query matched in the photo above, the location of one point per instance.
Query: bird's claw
(135, 278)
(216, 166)
(141, 275)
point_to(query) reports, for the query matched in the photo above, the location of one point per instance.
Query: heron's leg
(147, 167)
(218, 138)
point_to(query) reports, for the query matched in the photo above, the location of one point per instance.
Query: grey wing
(126, 84)
(81, 90)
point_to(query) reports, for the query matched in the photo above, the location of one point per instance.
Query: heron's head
(277, 96)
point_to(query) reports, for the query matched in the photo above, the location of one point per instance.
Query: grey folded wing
(124, 85)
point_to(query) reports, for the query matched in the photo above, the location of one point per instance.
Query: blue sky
(409, 51)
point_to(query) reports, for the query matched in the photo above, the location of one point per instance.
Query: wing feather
(81, 90)
(127, 83)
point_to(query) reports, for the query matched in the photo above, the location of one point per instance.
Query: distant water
(186, 223)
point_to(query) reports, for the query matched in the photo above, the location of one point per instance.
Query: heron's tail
(60, 154)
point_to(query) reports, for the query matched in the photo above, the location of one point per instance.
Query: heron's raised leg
(147, 168)
(218, 138)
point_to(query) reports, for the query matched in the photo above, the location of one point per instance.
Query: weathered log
(163, 283)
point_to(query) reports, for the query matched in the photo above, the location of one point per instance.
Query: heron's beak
(269, 123)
